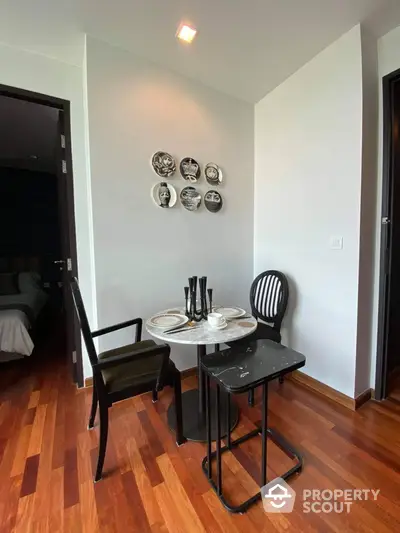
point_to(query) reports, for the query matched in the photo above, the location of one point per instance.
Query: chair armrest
(109, 362)
(136, 321)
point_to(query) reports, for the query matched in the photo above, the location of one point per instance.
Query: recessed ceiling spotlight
(186, 33)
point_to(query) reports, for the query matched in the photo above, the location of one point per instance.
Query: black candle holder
(191, 297)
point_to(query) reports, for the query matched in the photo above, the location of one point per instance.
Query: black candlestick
(210, 293)
(195, 286)
(186, 289)
(193, 305)
(191, 299)
(201, 286)
(204, 310)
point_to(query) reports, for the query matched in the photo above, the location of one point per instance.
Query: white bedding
(14, 335)
(15, 325)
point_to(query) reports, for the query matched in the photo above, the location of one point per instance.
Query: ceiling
(28, 134)
(244, 47)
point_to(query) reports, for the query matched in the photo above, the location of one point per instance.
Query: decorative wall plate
(164, 195)
(163, 164)
(190, 169)
(213, 201)
(190, 198)
(213, 174)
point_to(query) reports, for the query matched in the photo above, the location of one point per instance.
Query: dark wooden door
(393, 347)
(68, 261)
(388, 346)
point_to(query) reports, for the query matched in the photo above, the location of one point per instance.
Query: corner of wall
(94, 322)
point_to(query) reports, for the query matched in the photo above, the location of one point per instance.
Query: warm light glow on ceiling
(186, 33)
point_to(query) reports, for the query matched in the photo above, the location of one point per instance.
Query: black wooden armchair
(124, 372)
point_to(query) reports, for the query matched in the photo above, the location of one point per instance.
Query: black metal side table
(237, 370)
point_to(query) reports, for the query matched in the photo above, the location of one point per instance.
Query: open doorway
(388, 354)
(37, 242)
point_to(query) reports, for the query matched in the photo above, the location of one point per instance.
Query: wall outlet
(336, 243)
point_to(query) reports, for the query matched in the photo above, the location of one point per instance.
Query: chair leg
(155, 396)
(180, 439)
(93, 408)
(103, 440)
(251, 398)
(281, 379)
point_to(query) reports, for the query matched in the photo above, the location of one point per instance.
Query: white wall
(308, 136)
(388, 61)
(368, 211)
(389, 52)
(145, 254)
(19, 68)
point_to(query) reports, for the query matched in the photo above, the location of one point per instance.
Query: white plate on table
(167, 320)
(230, 312)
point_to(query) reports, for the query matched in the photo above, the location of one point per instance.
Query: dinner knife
(181, 326)
(169, 332)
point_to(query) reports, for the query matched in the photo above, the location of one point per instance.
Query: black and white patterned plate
(213, 174)
(190, 198)
(163, 194)
(163, 164)
(190, 169)
(213, 201)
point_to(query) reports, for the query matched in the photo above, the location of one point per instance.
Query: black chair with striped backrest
(269, 295)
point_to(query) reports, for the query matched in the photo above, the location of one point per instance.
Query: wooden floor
(394, 391)
(47, 457)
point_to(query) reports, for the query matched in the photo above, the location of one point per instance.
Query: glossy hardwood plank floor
(47, 458)
(394, 391)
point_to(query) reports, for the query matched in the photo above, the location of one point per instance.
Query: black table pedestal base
(194, 422)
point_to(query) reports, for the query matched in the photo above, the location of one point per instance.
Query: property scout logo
(279, 497)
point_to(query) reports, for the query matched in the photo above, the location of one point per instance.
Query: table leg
(201, 351)
(194, 409)
(208, 406)
(264, 427)
(228, 420)
(218, 443)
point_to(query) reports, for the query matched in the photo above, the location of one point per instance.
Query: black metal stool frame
(263, 430)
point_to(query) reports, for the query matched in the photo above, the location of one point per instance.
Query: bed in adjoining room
(21, 301)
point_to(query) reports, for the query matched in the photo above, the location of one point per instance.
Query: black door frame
(64, 106)
(381, 377)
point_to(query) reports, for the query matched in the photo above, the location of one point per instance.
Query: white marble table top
(205, 334)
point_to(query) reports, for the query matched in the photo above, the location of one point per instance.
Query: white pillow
(29, 281)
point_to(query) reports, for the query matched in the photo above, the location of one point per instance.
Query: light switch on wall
(336, 243)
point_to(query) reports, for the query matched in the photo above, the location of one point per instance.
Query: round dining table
(193, 401)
